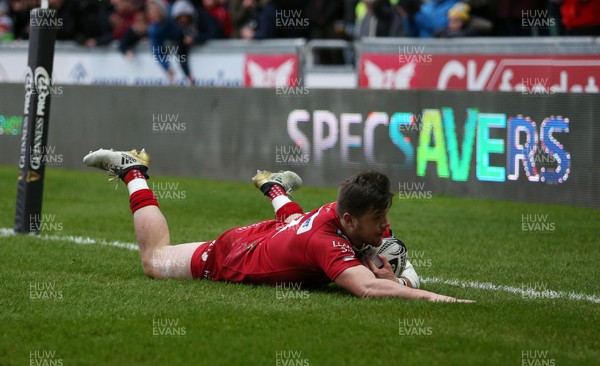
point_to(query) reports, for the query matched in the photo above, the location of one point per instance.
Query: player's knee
(149, 268)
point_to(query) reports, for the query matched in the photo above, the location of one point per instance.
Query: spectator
(581, 17)
(198, 25)
(325, 19)
(405, 11)
(324, 16)
(243, 14)
(377, 19)
(162, 28)
(6, 23)
(186, 17)
(92, 27)
(462, 24)
(19, 12)
(349, 18)
(123, 16)
(294, 20)
(556, 28)
(264, 24)
(430, 20)
(134, 33)
(511, 15)
(220, 13)
(65, 11)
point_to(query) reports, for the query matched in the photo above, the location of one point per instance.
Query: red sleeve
(331, 253)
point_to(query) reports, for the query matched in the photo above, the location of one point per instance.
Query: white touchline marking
(76, 239)
(523, 291)
(546, 294)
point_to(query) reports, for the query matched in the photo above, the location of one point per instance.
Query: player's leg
(160, 259)
(277, 187)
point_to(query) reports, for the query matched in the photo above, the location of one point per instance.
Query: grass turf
(103, 310)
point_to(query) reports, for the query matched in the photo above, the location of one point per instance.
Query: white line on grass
(76, 239)
(525, 292)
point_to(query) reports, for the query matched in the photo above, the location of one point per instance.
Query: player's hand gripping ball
(394, 251)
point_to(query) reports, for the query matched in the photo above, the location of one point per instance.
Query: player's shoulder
(317, 218)
(322, 222)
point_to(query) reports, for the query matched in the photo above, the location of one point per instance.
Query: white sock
(137, 184)
(279, 201)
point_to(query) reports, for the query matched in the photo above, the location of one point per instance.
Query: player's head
(363, 203)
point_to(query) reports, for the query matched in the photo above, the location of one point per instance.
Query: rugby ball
(394, 251)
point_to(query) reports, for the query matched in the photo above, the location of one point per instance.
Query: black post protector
(38, 85)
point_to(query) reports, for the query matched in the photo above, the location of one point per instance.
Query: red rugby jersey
(310, 250)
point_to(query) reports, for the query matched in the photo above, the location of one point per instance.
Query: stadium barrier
(554, 64)
(227, 63)
(565, 64)
(516, 146)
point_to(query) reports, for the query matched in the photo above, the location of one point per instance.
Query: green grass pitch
(63, 303)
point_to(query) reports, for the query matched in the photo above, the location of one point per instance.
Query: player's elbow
(150, 269)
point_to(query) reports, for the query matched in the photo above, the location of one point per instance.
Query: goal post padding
(38, 83)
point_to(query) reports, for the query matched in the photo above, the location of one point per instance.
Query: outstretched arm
(361, 282)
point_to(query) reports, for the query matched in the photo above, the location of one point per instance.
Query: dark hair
(365, 192)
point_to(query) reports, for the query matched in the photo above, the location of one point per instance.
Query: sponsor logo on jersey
(307, 225)
(344, 247)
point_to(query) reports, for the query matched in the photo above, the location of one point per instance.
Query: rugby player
(309, 248)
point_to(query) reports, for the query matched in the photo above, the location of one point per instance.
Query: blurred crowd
(185, 23)
(99, 22)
